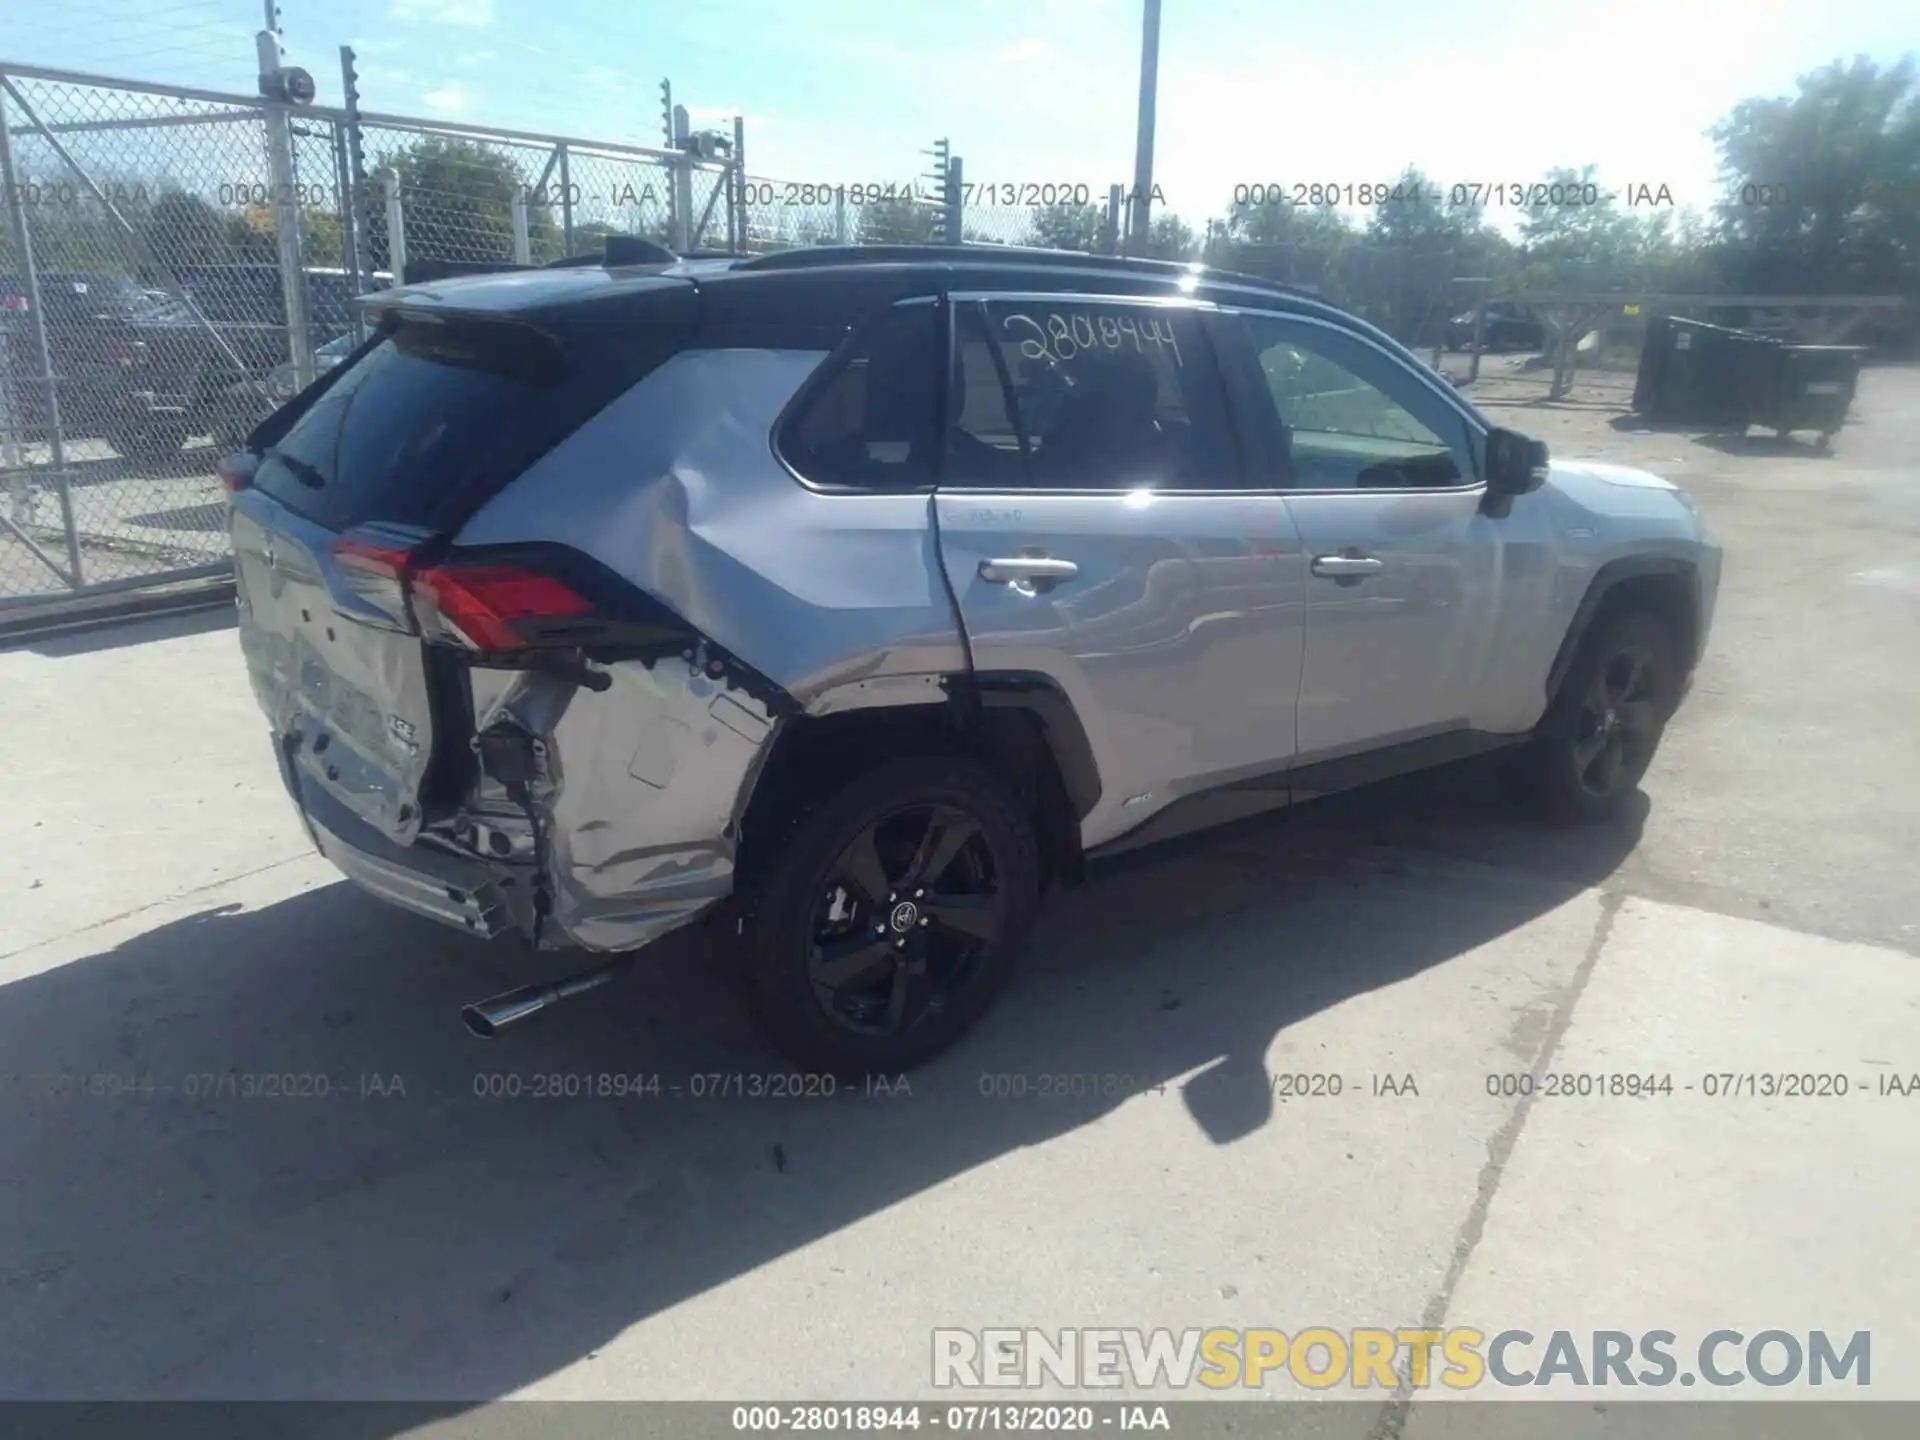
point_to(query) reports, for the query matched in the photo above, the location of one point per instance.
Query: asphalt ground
(1117, 1146)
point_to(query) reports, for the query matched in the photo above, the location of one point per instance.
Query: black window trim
(1476, 425)
(834, 362)
(1198, 305)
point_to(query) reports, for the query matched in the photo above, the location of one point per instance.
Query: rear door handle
(1017, 568)
(1340, 567)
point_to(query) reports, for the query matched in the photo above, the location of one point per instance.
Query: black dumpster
(1814, 388)
(1692, 373)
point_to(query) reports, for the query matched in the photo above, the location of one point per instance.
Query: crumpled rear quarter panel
(676, 487)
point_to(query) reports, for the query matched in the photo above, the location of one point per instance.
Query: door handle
(1342, 567)
(1017, 568)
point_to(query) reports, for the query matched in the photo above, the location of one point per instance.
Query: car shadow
(115, 630)
(419, 1232)
(209, 517)
(1727, 442)
(1781, 446)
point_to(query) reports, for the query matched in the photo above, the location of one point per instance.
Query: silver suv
(845, 598)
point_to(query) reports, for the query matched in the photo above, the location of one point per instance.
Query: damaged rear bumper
(457, 892)
(638, 791)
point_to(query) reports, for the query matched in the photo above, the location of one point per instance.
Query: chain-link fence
(176, 262)
(124, 335)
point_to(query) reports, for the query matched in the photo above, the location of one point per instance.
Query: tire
(1601, 731)
(849, 964)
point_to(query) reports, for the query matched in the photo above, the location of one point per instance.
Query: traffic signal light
(666, 110)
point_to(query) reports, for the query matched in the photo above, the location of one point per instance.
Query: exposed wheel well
(1665, 593)
(814, 756)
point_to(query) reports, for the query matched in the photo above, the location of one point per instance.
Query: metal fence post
(43, 355)
(396, 226)
(680, 235)
(522, 239)
(737, 199)
(1110, 230)
(286, 220)
(343, 186)
(840, 215)
(355, 209)
(955, 214)
(566, 202)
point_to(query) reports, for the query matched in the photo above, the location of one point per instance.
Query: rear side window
(437, 417)
(873, 422)
(1095, 395)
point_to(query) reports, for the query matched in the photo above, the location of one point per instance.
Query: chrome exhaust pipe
(487, 1018)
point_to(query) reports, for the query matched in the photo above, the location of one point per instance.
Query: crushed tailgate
(344, 690)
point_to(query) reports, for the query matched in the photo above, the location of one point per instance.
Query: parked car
(215, 353)
(251, 401)
(94, 334)
(843, 599)
(1508, 327)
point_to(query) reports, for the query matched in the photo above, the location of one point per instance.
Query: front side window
(874, 423)
(1352, 417)
(1073, 394)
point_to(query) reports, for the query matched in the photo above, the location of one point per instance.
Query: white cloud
(444, 12)
(451, 98)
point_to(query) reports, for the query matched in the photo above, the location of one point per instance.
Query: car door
(1405, 573)
(1097, 531)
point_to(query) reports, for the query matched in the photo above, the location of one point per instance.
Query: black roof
(812, 296)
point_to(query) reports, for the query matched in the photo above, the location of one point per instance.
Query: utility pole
(1143, 145)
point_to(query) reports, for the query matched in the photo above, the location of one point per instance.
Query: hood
(1579, 475)
(1598, 489)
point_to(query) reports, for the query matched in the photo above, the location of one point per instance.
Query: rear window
(874, 422)
(435, 418)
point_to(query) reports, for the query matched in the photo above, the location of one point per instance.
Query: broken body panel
(598, 817)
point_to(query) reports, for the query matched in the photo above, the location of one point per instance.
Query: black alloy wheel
(1619, 720)
(909, 908)
(1599, 735)
(889, 918)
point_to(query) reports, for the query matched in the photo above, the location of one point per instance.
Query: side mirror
(1515, 464)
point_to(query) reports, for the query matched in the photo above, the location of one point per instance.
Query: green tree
(457, 197)
(1171, 238)
(899, 222)
(1066, 226)
(1417, 242)
(1822, 190)
(323, 238)
(184, 230)
(1296, 244)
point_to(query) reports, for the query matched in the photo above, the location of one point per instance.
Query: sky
(1040, 91)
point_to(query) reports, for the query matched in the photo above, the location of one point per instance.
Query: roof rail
(637, 250)
(813, 256)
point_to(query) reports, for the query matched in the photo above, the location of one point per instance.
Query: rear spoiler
(619, 250)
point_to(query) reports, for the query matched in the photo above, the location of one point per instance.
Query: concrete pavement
(163, 919)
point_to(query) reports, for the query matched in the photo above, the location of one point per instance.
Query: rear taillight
(236, 471)
(494, 606)
(488, 605)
